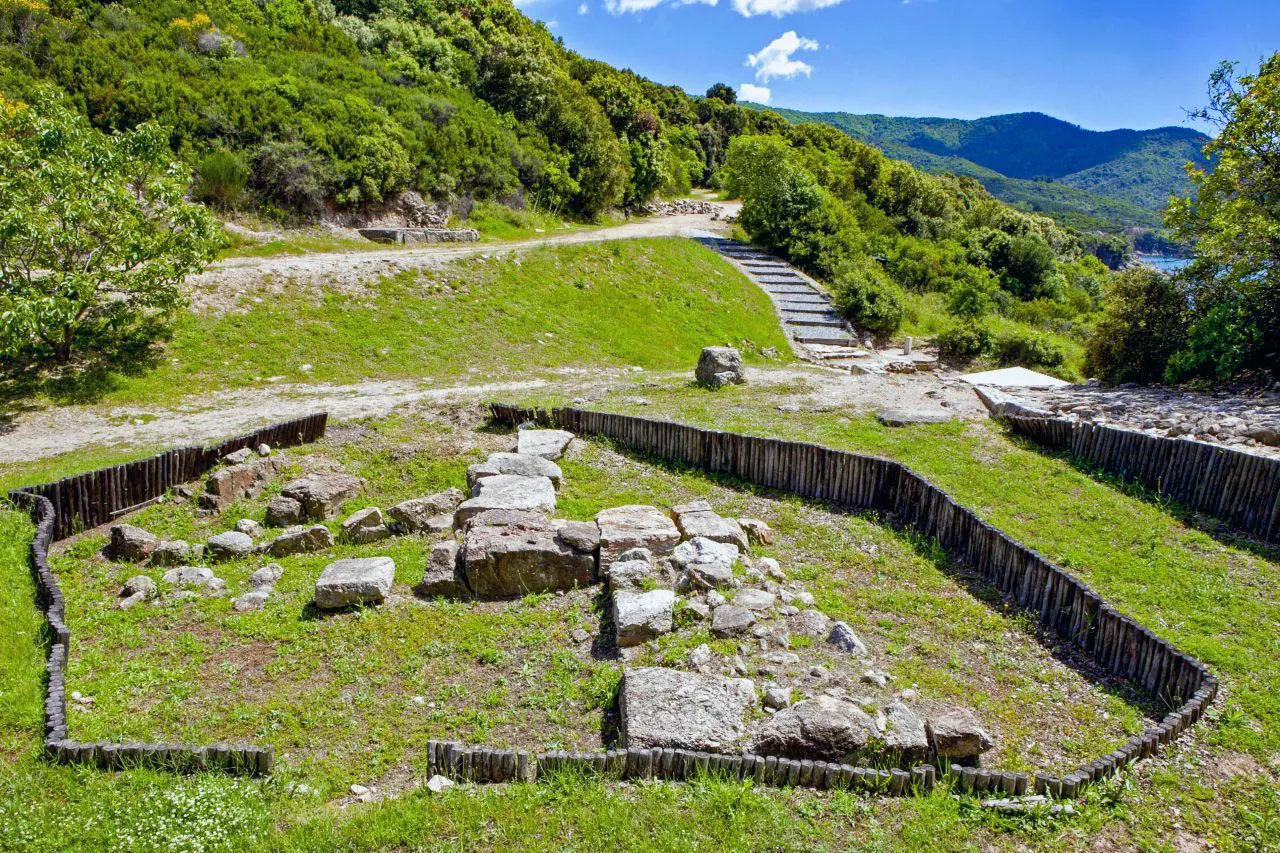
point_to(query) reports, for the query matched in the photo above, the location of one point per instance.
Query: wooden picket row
(1242, 489)
(1174, 680)
(87, 500)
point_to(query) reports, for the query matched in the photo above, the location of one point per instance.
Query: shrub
(222, 177)
(964, 341)
(291, 174)
(973, 295)
(1144, 320)
(1028, 349)
(866, 295)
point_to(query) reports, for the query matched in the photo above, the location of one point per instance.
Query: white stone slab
(1013, 377)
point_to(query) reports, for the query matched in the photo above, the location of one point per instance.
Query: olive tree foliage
(1234, 221)
(96, 236)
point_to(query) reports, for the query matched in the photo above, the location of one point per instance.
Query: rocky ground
(1247, 421)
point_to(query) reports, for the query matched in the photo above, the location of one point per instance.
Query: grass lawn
(649, 303)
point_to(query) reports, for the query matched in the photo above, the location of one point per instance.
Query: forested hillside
(1120, 178)
(306, 107)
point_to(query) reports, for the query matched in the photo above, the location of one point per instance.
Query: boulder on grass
(583, 536)
(843, 638)
(508, 491)
(426, 515)
(508, 562)
(323, 493)
(130, 544)
(137, 589)
(231, 545)
(236, 482)
(174, 553)
(642, 616)
(347, 583)
(822, 728)
(957, 734)
(728, 620)
(758, 532)
(904, 734)
(550, 444)
(364, 526)
(194, 576)
(444, 577)
(720, 366)
(299, 540)
(635, 526)
(683, 710)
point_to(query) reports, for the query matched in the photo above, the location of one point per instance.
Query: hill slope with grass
(1120, 177)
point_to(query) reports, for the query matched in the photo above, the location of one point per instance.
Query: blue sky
(1124, 63)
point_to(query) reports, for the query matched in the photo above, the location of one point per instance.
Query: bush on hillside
(964, 341)
(1143, 322)
(1026, 349)
(868, 297)
(973, 295)
(221, 179)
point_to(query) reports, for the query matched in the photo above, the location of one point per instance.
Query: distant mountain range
(1111, 179)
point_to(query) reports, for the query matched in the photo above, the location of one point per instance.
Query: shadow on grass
(1197, 520)
(84, 382)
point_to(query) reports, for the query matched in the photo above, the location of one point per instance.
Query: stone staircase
(817, 331)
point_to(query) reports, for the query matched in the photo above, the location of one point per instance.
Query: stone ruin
(796, 684)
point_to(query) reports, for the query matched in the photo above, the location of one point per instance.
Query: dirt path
(218, 287)
(201, 419)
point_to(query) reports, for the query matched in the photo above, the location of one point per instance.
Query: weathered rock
(875, 678)
(264, 450)
(683, 710)
(174, 553)
(700, 659)
(776, 697)
(523, 519)
(237, 482)
(251, 601)
(706, 564)
(697, 519)
(696, 610)
(843, 638)
(136, 590)
(729, 620)
(904, 733)
(507, 491)
(956, 733)
(266, 576)
(635, 526)
(642, 616)
(758, 533)
(131, 544)
(423, 515)
(364, 526)
(550, 444)
(800, 597)
(350, 582)
(444, 577)
(755, 599)
(194, 576)
(231, 545)
(823, 728)
(720, 366)
(771, 569)
(283, 512)
(583, 536)
(519, 464)
(249, 527)
(323, 493)
(903, 417)
(629, 574)
(509, 562)
(236, 457)
(299, 540)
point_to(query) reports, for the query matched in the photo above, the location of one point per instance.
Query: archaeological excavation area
(499, 601)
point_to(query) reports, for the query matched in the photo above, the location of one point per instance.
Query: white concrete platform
(1013, 377)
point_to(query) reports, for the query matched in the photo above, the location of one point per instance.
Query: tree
(95, 234)
(1234, 221)
(723, 92)
(1143, 322)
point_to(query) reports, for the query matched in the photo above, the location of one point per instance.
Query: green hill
(1120, 178)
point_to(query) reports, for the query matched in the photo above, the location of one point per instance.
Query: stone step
(802, 317)
(814, 323)
(826, 336)
(794, 301)
(790, 289)
(781, 279)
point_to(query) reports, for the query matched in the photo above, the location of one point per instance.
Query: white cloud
(621, 7)
(775, 58)
(754, 93)
(583, 9)
(778, 8)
